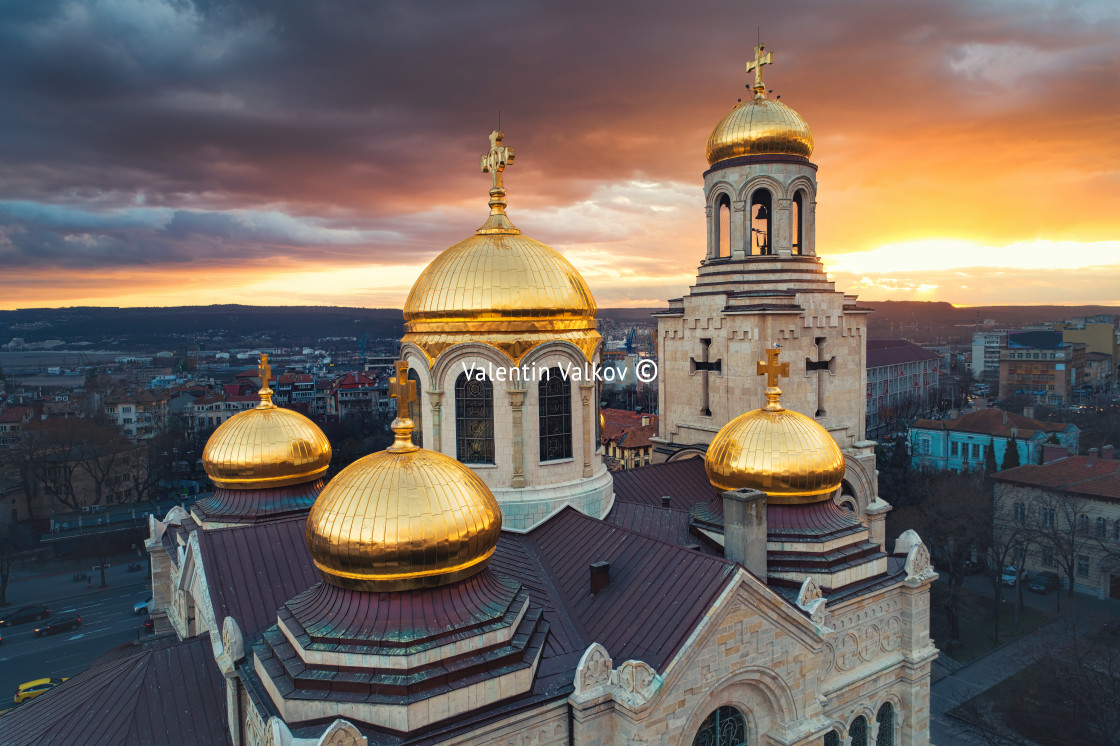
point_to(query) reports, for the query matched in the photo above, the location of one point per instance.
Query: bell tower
(761, 284)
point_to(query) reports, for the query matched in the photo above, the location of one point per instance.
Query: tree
(1064, 528)
(990, 457)
(1010, 537)
(15, 541)
(1011, 454)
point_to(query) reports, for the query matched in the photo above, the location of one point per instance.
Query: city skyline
(178, 154)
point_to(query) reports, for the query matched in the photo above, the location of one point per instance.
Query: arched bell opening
(797, 211)
(762, 212)
(723, 227)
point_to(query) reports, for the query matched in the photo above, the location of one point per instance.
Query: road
(107, 621)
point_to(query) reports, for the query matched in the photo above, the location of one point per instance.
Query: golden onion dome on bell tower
(783, 453)
(265, 447)
(405, 517)
(500, 287)
(759, 126)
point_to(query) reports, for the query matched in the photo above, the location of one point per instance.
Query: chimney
(1092, 457)
(600, 576)
(1028, 412)
(645, 420)
(744, 529)
(1004, 419)
(1106, 453)
(665, 500)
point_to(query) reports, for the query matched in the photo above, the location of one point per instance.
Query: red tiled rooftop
(993, 422)
(1072, 474)
(882, 352)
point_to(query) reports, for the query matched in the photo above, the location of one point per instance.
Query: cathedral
(487, 580)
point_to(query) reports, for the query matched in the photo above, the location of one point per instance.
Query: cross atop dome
(404, 391)
(266, 375)
(772, 369)
(494, 162)
(756, 64)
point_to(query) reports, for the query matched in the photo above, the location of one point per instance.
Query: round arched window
(726, 726)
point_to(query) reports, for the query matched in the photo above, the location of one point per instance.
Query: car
(32, 689)
(1011, 576)
(59, 624)
(972, 567)
(141, 607)
(149, 626)
(25, 614)
(1044, 582)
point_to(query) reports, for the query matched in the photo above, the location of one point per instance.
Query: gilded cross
(756, 64)
(403, 390)
(772, 368)
(265, 370)
(495, 161)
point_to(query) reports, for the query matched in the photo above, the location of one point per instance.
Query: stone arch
(696, 451)
(760, 694)
(861, 483)
(806, 184)
(898, 713)
(342, 733)
(867, 713)
(447, 366)
(719, 195)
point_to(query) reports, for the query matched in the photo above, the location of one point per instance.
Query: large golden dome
(403, 518)
(759, 126)
(266, 446)
(500, 287)
(785, 454)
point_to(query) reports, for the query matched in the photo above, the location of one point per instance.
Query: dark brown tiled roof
(1071, 474)
(660, 523)
(226, 505)
(882, 352)
(685, 482)
(253, 570)
(993, 422)
(165, 692)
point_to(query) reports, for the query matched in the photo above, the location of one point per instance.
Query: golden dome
(266, 446)
(759, 126)
(403, 518)
(500, 287)
(785, 454)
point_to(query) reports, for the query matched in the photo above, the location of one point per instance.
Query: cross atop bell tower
(756, 64)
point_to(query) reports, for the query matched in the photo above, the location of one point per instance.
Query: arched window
(726, 726)
(832, 738)
(857, 732)
(1020, 512)
(554, 405)
(474, 420)
(1101, 528)
(885, 719)
(761, 213)
(723, 239)
(798, 233)
(1083, 523)
(418, 430)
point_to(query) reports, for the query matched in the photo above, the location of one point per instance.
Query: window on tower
(723, 240)
(761, 214)
(474, 420)
(798, 232)
(554, 405)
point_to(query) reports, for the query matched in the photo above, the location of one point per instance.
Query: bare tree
(15, 541)
(1065, 530)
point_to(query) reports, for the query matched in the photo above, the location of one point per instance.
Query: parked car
(24, 614)
(59, 624)
(972, 567)
(149, 626)
(32, 689)
(1044, 582)
(141, 607)
(1011, 576)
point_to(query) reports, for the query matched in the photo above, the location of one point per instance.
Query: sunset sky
(169, 152)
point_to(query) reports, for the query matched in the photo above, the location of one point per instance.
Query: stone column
(740, 236)
(781, 228)
(876, 512)
(810, 238)
(516, 405)
(586, 391)
(713, 232)
(744, 529)
(918, 654)
(435, 398)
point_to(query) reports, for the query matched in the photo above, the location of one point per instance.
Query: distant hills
(237, 326)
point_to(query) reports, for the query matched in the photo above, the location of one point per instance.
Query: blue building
(961, 444)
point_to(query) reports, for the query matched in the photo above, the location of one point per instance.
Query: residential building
(1099, 376)
(353, 392)
(1100, 334)
(1038, 365)
(12, 422)
(986, 346)
(626, 437)
(1069, 513)
(902, 382)
(961, 443)
(140, 414)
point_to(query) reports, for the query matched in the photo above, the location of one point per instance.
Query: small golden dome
(403, 518)
(500, 287)
(759, 126)
(266, 446)
(785, 454)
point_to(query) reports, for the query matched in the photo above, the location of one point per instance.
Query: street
(107, 621)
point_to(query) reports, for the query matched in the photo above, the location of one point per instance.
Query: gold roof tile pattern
(759, 126)
(783, 453)
(266, 446)
(500, 287)
(403, 518)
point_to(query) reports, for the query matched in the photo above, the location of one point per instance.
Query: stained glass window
(885, 719)
(857, 733)
(474, 420)
(832, 738)
(554, 406)
(726, 726)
